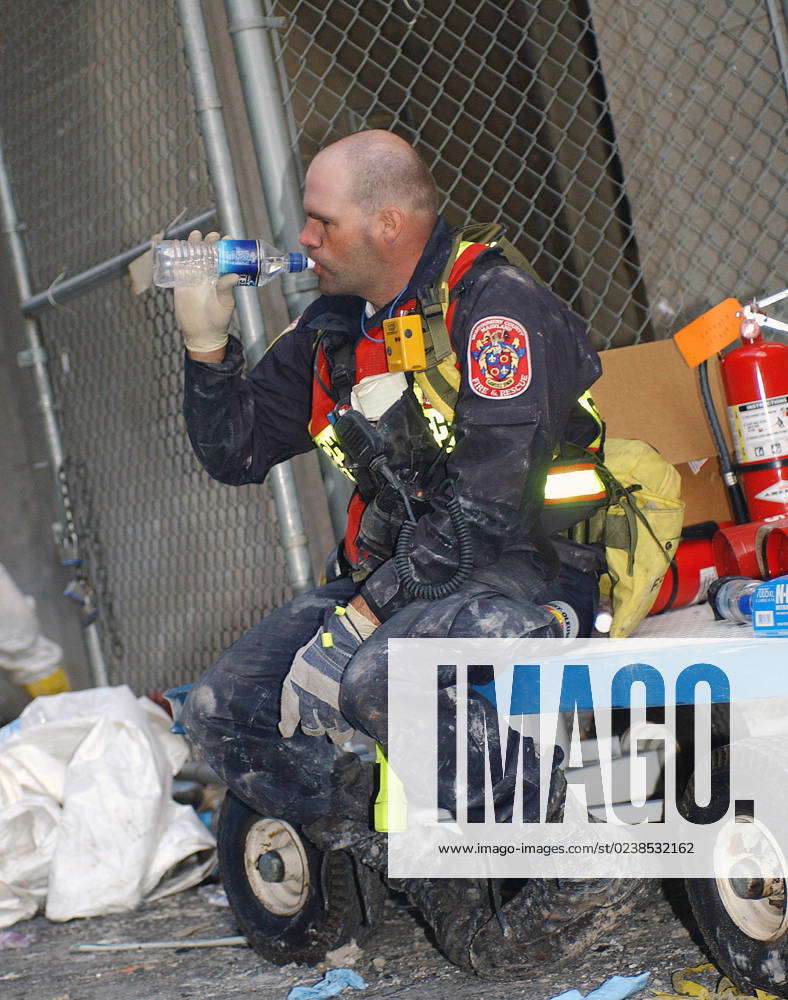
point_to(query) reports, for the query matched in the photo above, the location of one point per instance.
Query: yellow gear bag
(640, 528)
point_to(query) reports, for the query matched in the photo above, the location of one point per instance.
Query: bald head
(382, 170)
(370, 207)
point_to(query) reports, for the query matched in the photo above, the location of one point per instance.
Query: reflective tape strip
(588, 404)
(579, 483)
(440, 428)
(573, 485)
(326, 440)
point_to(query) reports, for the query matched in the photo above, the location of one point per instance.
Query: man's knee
(199, 712)
(494, 616)
(363, 692)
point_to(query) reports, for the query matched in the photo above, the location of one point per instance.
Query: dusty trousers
(232, 712)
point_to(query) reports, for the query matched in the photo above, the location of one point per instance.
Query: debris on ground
(684, 986)
(213, 894)
(331, 985)
(346, 955)
(400, 963)
(85, 800)
(225, 942)
(11, 939)
(615, 988)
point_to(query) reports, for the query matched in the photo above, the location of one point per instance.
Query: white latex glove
(363, 625)
(203, 311)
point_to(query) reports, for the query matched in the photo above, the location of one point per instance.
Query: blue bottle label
(770, 607)
(240, 257)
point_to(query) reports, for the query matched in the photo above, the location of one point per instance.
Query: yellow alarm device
(404, 338)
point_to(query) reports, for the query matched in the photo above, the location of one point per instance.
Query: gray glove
(310, 693)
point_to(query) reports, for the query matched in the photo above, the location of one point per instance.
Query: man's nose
(308, 237)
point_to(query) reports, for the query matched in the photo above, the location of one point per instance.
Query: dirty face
(339, 235)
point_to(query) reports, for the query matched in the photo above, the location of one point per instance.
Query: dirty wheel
(291, 902)
(743, 916)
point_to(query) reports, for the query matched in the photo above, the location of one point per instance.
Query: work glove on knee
(203, 311)
(310, 693)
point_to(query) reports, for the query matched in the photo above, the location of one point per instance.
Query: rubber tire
(319, 926)
(747, 962)
(554, 920)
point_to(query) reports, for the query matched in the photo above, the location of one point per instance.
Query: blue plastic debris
(176, 697)
(333, 983)
(615, 988)
(8, 730)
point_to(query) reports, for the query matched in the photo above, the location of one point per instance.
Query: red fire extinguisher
(755, 377)
(687, 580)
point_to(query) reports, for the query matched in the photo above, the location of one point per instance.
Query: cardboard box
(647, 391)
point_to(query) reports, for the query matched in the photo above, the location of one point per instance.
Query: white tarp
(87, 819)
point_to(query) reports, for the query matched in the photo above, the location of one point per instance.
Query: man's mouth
(320, 269)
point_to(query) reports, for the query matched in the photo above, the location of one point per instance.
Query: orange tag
(709, 333)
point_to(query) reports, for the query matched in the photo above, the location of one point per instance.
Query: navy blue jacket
(512, 410)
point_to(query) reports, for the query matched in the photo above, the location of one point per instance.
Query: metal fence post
(12, 229)
(249, 26)
(209, 110)
(777, 17)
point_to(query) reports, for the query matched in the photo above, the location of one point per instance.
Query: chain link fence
(634, 152)
(100, 135)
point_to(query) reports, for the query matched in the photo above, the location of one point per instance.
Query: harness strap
(626, 539)
(341, 359)
(437, 301)
(437, 344)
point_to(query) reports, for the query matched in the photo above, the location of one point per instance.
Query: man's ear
(391, 221)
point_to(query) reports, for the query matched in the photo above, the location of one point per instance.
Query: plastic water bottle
(770, 607)
(730, 598)
(178, 263)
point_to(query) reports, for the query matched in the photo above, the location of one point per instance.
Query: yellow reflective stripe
(440, 428)
(432, 393)
(391, 805)
(443, 288)
(327, 441)
(574, 484)
(588, 404)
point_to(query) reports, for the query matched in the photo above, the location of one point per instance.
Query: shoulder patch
(499, 361)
